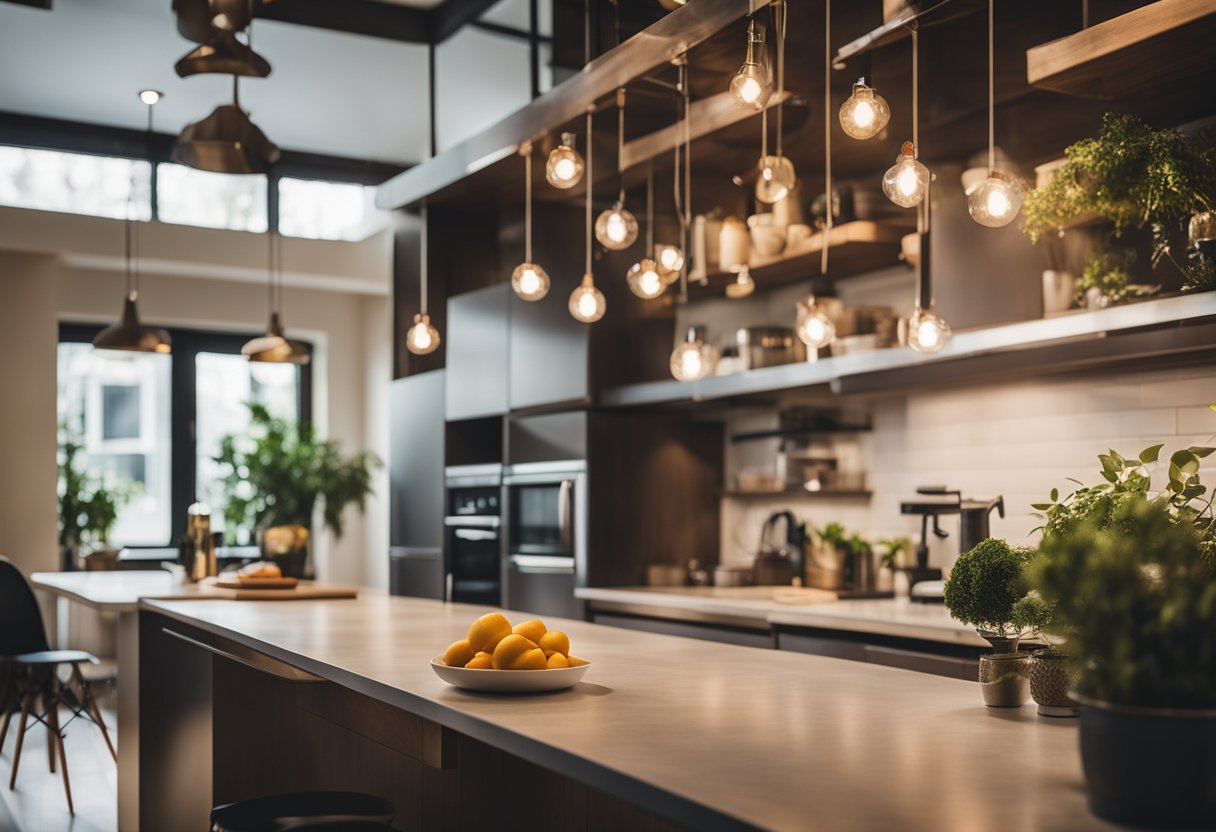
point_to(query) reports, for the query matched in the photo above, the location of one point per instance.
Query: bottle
(198, 548)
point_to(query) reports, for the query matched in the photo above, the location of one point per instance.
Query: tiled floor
(38, 803)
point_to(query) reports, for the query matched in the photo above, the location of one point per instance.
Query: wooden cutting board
(304, 590)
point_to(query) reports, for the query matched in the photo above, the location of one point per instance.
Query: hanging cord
(526, 149)
(827, 134)
(590, 180)
(424, 269)
(270, 273)
(684, 194)
(620, 144)
(915, 97)
(991, 104)
(782, 18)
(278, 272)
(586, 32)
(649, 208)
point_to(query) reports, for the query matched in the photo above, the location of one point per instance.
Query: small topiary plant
(985, 587)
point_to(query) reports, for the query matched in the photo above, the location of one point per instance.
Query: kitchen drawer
(705, 632)
(834, 648)
(952, 666)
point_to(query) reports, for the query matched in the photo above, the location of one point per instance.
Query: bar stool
(313, 811)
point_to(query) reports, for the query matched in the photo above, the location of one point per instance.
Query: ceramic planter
(1150, 766)
(1005, 679)
(1058, 290)
(1050, 682)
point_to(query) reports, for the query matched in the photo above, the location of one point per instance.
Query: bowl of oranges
(496, 656)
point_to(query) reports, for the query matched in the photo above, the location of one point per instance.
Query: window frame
(183, 398)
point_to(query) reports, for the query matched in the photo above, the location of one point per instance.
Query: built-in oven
(546, 537)
(472, 528)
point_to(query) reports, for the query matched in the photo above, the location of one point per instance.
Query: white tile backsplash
(1018, 440)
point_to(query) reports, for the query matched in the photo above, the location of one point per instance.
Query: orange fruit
(556, 641)
(557, 660)
(487, 631)
(459, 654)
(534, 659)
(482, 661)
(575, 661)
(510, 649)
(532, 630)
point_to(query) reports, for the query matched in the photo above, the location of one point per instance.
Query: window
(74, 183)
(155, 421)
(328, 210)
(186, 196)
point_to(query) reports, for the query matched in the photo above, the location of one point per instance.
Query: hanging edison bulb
(564, 169)
(751, 86)
(616, 228)
(422, 338)
(865, 113)
(815, 328)
(530, 281)
(776, 179)
(587, 303)
(996, 200)
(693, 359)
(927, 332)
(644, 279)
(742, 286)
(670, 259)
(906, 181)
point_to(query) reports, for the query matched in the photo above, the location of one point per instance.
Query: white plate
(509, 681)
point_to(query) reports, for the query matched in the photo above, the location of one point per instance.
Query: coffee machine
(925, 582)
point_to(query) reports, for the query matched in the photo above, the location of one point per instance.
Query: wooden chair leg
(27, 701)
(48, 703)
(90, 704)
(6, 700)
(53, 719)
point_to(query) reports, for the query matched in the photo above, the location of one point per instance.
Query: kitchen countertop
(715, 735)
(801, 607)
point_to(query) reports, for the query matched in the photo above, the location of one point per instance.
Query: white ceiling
(329, 92)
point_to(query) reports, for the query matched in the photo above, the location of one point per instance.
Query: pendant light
(814, 328)
(129, 334)
(223, 54)
(670, 257)
(564, 169)
(529, 280)
(924, 329)
(617, 227)
(743, 286)
(996, 200)
(864, 113)
(643, 277)
(751, 87)
(226, 142)
(274, 347)
(587, 303)
(693, 359)
(906, 182)
(777, 176)
(422, 338)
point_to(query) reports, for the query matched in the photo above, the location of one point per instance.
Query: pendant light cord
(590, 181)
(915, 96)
(423, 270)
(527, 151)
(270, 272)
(649, 208)
(782, 19)
(827, 134)
(991, 99)
(620, 144)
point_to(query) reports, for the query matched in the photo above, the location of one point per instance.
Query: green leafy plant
(1136, 598)
(1131, 176)
(1108, 273)
(986, 585)
(276, 474)
(88, 504)
(836, 536)
(890, 550)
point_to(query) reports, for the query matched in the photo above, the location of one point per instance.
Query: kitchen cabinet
(721, 634)
(956, 661)
(549, 352)
(416, 460)
(478, 345)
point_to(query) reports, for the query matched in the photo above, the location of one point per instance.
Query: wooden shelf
(747, 493)
(1135, 53)
(781, 433)
(856, 248)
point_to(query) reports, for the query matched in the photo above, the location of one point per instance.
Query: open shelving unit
(826, 493)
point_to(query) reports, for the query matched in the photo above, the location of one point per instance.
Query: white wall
(1018, 440)
(350, 327)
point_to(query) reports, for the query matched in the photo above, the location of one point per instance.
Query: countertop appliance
(472, 551)
(768, 346)
(546, 540)
(973, 527)
(777, 562)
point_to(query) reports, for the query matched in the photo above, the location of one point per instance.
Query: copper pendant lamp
(274, 347)
(223, 54)
(226, 142)
(198, 20)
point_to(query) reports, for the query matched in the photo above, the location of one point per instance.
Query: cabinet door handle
(250, 658)
(565, 512)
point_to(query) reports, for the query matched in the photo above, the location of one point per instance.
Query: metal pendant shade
(223, 54)
(198, 20)
(225, 142)
(130, 335)
(274, 347)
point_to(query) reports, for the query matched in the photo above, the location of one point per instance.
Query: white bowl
(509, 681)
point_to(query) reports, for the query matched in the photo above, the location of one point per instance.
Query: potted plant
(847, 558)
(1105, 281)
(88, 509)
(1051, 674)
(1131, 176)
(275, 477)
(1135, 589)
(983, 590)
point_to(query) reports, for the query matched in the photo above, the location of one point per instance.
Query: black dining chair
(33, 683)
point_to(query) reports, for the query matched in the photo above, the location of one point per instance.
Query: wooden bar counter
(240, 699)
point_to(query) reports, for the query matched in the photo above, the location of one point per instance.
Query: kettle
(776, 564)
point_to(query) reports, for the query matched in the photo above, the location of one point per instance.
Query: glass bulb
(644, 279)
(670, 259)
(616, 228)
(565, 166)
(906, 181)
(693, 359)
(776, 179)
(422, 337)
(751, 86)
(587, 303)
(865, 113)
(743, 286)
(927, 333)
(995, 201)
(530, 281)
(815, 328)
